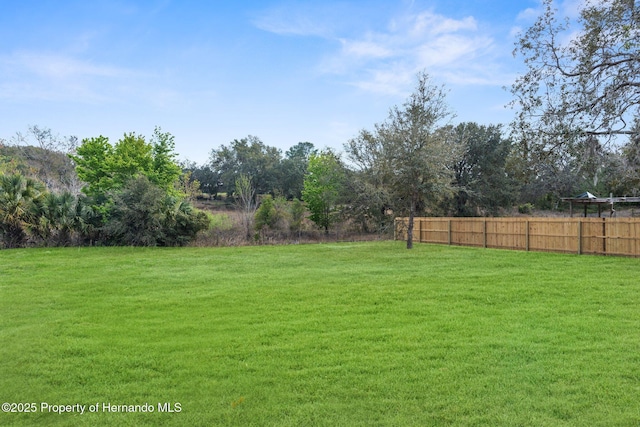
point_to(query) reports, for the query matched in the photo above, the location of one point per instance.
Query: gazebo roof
(589, 199)
(586, 195)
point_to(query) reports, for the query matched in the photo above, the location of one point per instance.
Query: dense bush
(142, 214)
(18, 196)
(139, 214)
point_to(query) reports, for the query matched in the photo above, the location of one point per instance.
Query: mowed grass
(359, 334)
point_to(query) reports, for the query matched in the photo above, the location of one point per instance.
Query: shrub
(526, 208)
(142, 214)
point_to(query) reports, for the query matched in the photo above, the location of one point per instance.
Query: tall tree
(250, 157)
(293, 169)
(409, 153)
(322, 188)
(480, 173)
(369, 200)
(93, 160)
(165, 171)
(582, 81)
(207, 178)
(105, 167)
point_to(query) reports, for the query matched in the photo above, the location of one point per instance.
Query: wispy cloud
(452, 50)
(385, 60)
(299, 19)
(48, 76)
(365, 48)
(56, 66)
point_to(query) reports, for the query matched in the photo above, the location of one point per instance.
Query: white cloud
(528, 15)
(446, 48)
(294, 19)
(391, 80)
(429, 23)
(299, 26)
(61, 67)
(365, 49)
(386, 59)
(452, 50)
(48, 76)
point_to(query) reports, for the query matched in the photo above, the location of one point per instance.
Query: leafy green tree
(135, 189)
(165, 171)
(482, 182)
(581, 81)
(293, 169)
(369, 200)
(409, 154)
(94, 165)
(249, 157)
(323, 187)
(17, 197)
(207, 178)
(105, 167)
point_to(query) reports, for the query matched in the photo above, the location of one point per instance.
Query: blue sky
(212, 71)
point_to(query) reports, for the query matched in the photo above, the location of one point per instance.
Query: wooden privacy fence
(601, 236)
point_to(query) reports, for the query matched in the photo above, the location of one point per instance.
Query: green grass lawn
(359, 334)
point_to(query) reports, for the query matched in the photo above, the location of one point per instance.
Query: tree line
(576, 129)
(415, 162)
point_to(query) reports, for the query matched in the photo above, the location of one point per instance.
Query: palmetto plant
(17, 197)
(54, 217)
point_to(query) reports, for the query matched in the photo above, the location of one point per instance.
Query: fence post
(527, 236)
(485, 232)
(604, 236)
(579, 236)
(420, 231)
(395, 229)
(449, 232)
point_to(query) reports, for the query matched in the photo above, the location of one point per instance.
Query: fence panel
(601, 236)
(467, 232)
(508, 233)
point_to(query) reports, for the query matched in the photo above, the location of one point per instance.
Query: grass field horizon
(341, 334)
